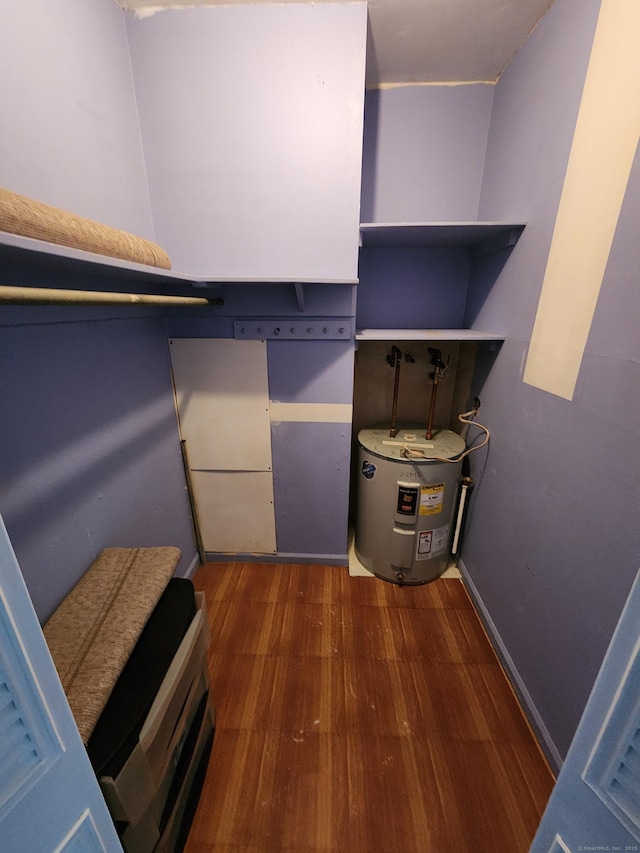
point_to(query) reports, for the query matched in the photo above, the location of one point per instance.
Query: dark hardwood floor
(355, 715)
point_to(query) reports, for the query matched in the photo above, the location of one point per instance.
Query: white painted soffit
(423, 41)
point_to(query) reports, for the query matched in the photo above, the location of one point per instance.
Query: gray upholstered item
(95, 628)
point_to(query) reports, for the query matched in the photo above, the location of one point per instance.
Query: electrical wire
(465, 418)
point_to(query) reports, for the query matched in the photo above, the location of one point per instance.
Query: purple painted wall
(574, 811)
(311, 371)
(252, 126)
(407, 288)
(424, 149)
(311, 473)
(90, 450)
(311, 460)
(89, 444)
(553, 543)
(70, 134)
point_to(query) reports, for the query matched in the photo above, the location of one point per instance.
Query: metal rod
(395, 359)
(432, 407)
(55, 296)
(439, 368)
(195, 520)
(467, 482)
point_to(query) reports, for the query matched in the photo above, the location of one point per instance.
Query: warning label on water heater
(431, 499)
(432, 543)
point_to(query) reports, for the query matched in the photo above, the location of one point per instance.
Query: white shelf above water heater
(425, 335)
(479, 238)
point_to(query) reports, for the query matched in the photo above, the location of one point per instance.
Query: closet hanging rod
(54, 296)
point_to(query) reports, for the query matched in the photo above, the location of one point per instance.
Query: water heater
(407, 495)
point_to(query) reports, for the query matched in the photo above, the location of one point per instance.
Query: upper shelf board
(475, 235)
(478, 236)
(76, 261)
(55, 257)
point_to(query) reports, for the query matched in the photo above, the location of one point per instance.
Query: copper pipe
(438, 369)
(195, 519)
(395, 359)
(432, 406)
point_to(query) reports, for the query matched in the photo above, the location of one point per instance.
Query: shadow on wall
(483, 274)
(50, 486)
(91, 455)
(370, 141)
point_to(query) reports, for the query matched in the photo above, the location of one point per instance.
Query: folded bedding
(30, 218)
(96, 627)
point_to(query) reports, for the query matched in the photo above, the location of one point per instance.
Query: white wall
(252, 125)
(70, 134)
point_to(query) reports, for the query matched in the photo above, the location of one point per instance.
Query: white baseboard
(528, 706)
(279, 557)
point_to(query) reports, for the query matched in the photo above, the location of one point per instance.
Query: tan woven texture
(95, 628)
(29, 218)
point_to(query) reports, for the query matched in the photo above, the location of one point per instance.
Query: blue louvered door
(595, 804)
(50, 801)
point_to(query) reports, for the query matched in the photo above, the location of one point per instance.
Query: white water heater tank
(406, 501)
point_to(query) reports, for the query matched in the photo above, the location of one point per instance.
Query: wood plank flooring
(357, 716)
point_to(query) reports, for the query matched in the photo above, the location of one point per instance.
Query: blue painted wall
(266, 182)
(70, 132)
(412, 288)
(553, 544)
(424, 150)
(575, 812)
(90, 451)
(311, 460)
